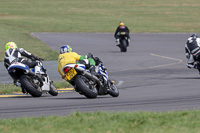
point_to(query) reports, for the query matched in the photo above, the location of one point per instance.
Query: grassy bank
(107, 122)
(11, 89)
(18, 18)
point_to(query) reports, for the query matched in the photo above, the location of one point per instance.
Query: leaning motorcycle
(88, 84)
(123, 41)
(34, 84)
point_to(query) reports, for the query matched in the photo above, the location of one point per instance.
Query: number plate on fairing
(70, 74)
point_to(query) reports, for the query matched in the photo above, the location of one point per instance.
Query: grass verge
(107, 122)
(11, 89)
(18, 18)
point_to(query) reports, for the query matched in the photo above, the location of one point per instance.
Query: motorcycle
(88, 84)
(123, 41)
(34, 84)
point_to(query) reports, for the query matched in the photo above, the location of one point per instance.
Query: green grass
(18, 18)
(107, 122)
(62, 84)
(10, 88)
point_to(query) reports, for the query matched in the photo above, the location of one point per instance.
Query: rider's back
(11, 55)
(66, 58)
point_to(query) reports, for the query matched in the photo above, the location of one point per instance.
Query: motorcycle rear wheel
(82, 85)
(28, 85)
(123, 46)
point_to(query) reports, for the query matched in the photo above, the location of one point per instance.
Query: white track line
(179, 61)
(120, 83)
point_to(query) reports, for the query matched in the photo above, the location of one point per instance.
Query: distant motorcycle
(34, 84)
(123, 40)
(88, 84)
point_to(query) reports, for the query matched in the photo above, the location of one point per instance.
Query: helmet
(65, 49)
(11, 45)
(194, 36)
(121, 24)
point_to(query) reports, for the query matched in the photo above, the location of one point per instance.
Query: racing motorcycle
(123, 41)
(88, 84)
(30, 82)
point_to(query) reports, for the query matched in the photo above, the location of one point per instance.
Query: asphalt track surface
(151, 76)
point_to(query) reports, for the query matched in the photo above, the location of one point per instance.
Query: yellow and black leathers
(71, 57)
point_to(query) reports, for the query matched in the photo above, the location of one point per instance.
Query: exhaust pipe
(89, 75)
(30, 73)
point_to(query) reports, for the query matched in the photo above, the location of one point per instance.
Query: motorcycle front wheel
(28, 84)
(113, 91)
(53, 91)
(83, 85)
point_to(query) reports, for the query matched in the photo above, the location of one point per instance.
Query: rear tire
(28, 85)
(82, 85)
(123, 46)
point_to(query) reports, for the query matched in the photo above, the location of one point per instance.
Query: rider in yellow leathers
(67, 56)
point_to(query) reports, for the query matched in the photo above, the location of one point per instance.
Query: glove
(89, 55)
(37, 58)
(97, 60)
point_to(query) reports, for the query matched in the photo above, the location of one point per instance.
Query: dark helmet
(194, 36)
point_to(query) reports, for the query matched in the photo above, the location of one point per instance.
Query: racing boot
(39, 68)
(17, 83)
(129, 40)
(24, 91)
(191, 61)
(117, 41)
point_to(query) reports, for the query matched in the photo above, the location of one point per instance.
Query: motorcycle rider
(67, 56)
(192, 50)
(14, 54)
(121, 28)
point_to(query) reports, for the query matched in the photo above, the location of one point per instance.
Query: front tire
(53, 91)
(29, 86)
(113, 91)
(83, 85)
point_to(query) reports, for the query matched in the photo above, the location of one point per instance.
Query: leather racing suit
(72, 57)
(121, 29)
(15, 55)
(192, 51)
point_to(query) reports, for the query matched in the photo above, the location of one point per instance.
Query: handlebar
(122, 33)
(40, 59)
